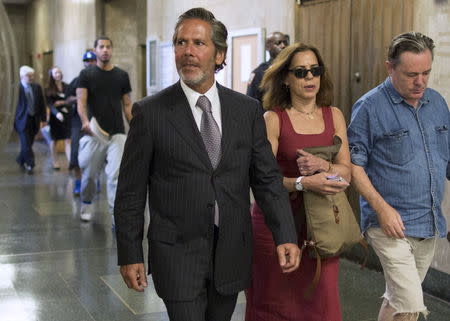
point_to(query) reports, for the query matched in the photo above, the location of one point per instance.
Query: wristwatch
(298, 184)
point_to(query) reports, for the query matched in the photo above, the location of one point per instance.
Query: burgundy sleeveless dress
(276, 296)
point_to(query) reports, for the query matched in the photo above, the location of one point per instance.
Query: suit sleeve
(40, 104)
(267, 186)
(132, 189)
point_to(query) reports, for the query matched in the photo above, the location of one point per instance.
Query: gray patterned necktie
(30, 100)
(210, 131)
(211, 138)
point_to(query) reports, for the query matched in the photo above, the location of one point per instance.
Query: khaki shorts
(405, 263)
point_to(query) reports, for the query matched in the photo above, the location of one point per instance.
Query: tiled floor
(55, 268)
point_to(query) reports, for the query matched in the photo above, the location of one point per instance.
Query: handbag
(331, 225)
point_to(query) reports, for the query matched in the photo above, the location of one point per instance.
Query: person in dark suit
(276, 42)
(30, 114)
(197, 167)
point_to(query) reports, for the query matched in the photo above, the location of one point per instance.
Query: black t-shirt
(72, 91)
(105, 90)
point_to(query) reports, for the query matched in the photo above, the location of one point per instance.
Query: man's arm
(82, 110)
(130, 200)
(362, 134)
(126, 105)
(267, 185)
(389, 219)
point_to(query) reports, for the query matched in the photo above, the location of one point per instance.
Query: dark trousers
(75, 140)
(26, 137)
(209, 305)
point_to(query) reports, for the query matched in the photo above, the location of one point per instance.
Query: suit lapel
(183, 121)
(229, 121)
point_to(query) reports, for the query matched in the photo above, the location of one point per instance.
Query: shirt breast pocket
(440, 134)
(397, 146)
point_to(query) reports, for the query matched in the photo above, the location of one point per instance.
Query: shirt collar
(192, 95)
(395, 96)
(25, 84)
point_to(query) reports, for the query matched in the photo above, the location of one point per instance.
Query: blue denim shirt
(405, 153)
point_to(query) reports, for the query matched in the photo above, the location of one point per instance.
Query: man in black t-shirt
(105, 89)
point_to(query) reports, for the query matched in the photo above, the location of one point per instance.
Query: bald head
(275, 42)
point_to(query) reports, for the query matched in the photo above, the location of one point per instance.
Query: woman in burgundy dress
(298, 95)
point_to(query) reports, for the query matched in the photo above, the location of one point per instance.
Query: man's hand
(86, 128)
(134, 276)
(391, 222)
(288, 257)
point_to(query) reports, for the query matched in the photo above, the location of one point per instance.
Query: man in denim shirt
(399, 147)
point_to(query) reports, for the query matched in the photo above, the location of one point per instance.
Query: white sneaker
(86, 212)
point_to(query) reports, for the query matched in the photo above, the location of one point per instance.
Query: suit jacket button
(210, 205)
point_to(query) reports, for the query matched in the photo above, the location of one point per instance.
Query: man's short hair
(409, 41)
(25, 70)
(219, 31)
(102, 38)
(272, 35)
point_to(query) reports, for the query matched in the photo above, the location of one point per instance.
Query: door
(353, 37)
(373, 24)
(326, 25)
(47, 63)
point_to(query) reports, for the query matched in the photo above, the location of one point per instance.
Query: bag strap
(309, 291)
(316, 278)
(365, 246)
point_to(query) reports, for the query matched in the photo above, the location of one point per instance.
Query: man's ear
(389, 67)
(220, 57)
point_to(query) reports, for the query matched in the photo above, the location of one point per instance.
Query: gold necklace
(309, 114)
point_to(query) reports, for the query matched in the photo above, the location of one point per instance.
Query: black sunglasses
(285, 42)
(302, 72)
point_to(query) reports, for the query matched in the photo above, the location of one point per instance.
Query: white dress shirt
(213, 96)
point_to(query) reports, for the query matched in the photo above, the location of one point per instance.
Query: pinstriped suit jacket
(165, 157)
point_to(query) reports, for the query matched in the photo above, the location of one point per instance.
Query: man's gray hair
(409, 41)
(25, 70)
(219, 31)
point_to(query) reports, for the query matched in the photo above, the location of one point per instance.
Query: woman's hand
(320, 184)
(60, 103)
(60, 117)
(308, 164)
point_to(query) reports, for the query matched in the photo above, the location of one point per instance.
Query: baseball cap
(89, 55)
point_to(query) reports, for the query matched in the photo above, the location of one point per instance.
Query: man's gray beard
(196, 81)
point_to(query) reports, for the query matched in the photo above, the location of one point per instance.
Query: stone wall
(17, 17)
(273, 15)
(124, 23)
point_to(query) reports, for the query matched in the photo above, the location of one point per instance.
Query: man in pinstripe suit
(200, 242)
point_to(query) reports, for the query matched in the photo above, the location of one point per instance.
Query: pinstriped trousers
(209, 305)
